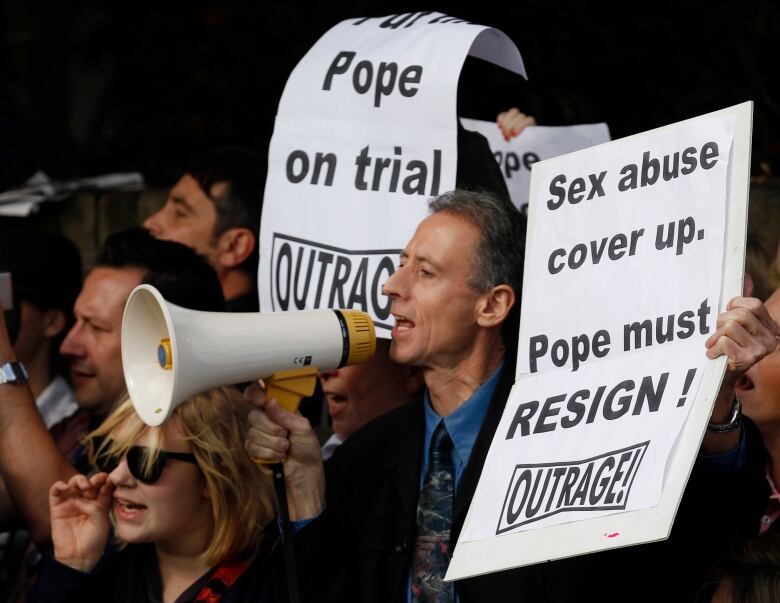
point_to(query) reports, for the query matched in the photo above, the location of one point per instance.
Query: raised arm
(30, 461)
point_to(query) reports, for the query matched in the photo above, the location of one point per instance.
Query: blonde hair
(215, 424)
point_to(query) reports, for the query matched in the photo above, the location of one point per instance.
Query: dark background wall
(90, 86)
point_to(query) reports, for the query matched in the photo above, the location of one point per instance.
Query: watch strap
(13, 372)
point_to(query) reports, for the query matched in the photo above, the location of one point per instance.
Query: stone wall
(87, 218)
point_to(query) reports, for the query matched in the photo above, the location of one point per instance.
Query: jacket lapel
(481, 446)
(405, 464)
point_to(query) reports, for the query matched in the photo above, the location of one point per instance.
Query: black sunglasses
(136, 462)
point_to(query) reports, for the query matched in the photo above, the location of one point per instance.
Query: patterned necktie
(434, 518)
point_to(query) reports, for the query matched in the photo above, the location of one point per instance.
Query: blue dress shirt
(463, 425)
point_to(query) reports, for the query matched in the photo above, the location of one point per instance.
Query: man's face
(759, 388)
(188, 217)
(93, 346)
(358, 394)
(434, 307)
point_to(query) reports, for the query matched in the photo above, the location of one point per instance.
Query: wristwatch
(13, 373)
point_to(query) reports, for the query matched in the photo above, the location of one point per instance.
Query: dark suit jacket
(360, 548)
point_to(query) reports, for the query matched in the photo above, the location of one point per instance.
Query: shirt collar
(57, 393)
(463, 424)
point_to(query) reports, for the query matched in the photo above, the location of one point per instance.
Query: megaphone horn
(170, 353)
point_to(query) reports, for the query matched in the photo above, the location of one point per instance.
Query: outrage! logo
(599, 483)
(307, 274)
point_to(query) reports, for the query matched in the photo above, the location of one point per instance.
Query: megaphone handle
(288, 549)
(291, 386)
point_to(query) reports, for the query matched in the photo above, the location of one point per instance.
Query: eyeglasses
(137, 462)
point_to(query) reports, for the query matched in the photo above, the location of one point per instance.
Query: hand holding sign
(745, 333)
(513, 121)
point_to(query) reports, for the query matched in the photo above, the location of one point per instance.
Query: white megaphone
(170, 353)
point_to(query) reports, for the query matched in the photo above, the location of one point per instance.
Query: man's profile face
(93, 344)
(759, 388)
(188, 217)
(434, 307)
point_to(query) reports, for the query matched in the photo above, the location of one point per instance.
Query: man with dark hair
(127, 259)
(31, 459)
(46, 272)
(182, 277)
(215, 209)
(398, 490)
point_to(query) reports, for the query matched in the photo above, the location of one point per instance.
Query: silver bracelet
(734, 422)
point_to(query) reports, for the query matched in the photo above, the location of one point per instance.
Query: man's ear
(54, 321)
(494, 306)
(235, 246)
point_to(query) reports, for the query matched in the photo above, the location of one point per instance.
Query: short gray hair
(500, 253)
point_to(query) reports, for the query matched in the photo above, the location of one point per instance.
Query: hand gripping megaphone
(170, 353)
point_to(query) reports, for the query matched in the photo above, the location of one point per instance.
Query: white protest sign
(636, 227)
(535, 143)
(613, 389)
(365, 134)
(558, 423)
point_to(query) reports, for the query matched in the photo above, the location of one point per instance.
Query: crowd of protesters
(97, 506)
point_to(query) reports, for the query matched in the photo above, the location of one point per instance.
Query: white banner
(365, 134)
(535, 143)
(624, 274)
(636, 228)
